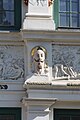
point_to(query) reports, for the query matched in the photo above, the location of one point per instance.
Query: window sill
(68, 29)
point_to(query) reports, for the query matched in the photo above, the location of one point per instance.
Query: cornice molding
(67, 36)
(58, 85)
(38, 101)
(10, 36)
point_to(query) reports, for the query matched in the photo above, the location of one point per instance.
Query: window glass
(64, 19)
(64, 118)
(67, 14)
(79, 6)
(74, 6)
(68, 5)
(7, 117)
(6, 12)
(79, 20)
(1, 5)
(66, 114)
(8, 4)
(62, 5)
(9, 19)
(10, 14)
(74, 0)
(74, 21)
(2, 16)
(75, 118)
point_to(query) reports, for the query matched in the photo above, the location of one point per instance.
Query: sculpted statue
(39, 65)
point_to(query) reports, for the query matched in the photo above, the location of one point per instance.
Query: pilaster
(38, 16)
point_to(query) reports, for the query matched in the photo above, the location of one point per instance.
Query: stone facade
(39, 65)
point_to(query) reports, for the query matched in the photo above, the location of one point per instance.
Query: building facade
(40, 60)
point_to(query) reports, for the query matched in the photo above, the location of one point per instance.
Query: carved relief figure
(11, 63)
(63, 71)
(13, 71)
(66, 61)
(38, 58)
(41, 2)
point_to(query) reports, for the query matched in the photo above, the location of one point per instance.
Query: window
(67, 13)
(10, 113)
(66, 114)
(10, 14)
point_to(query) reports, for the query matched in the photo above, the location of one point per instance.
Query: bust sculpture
(39, 64)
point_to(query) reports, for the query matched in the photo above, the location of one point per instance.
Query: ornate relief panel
(66, 61)
(11, 62)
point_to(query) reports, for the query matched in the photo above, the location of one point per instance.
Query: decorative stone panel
(66, 61)
(11, 62)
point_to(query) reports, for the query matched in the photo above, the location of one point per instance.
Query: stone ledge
(55, 36)
(58, 84)
(10, 36)
(38, 101)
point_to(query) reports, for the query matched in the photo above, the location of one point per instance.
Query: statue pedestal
(38, 22)
(36, 80)
(38, 16)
